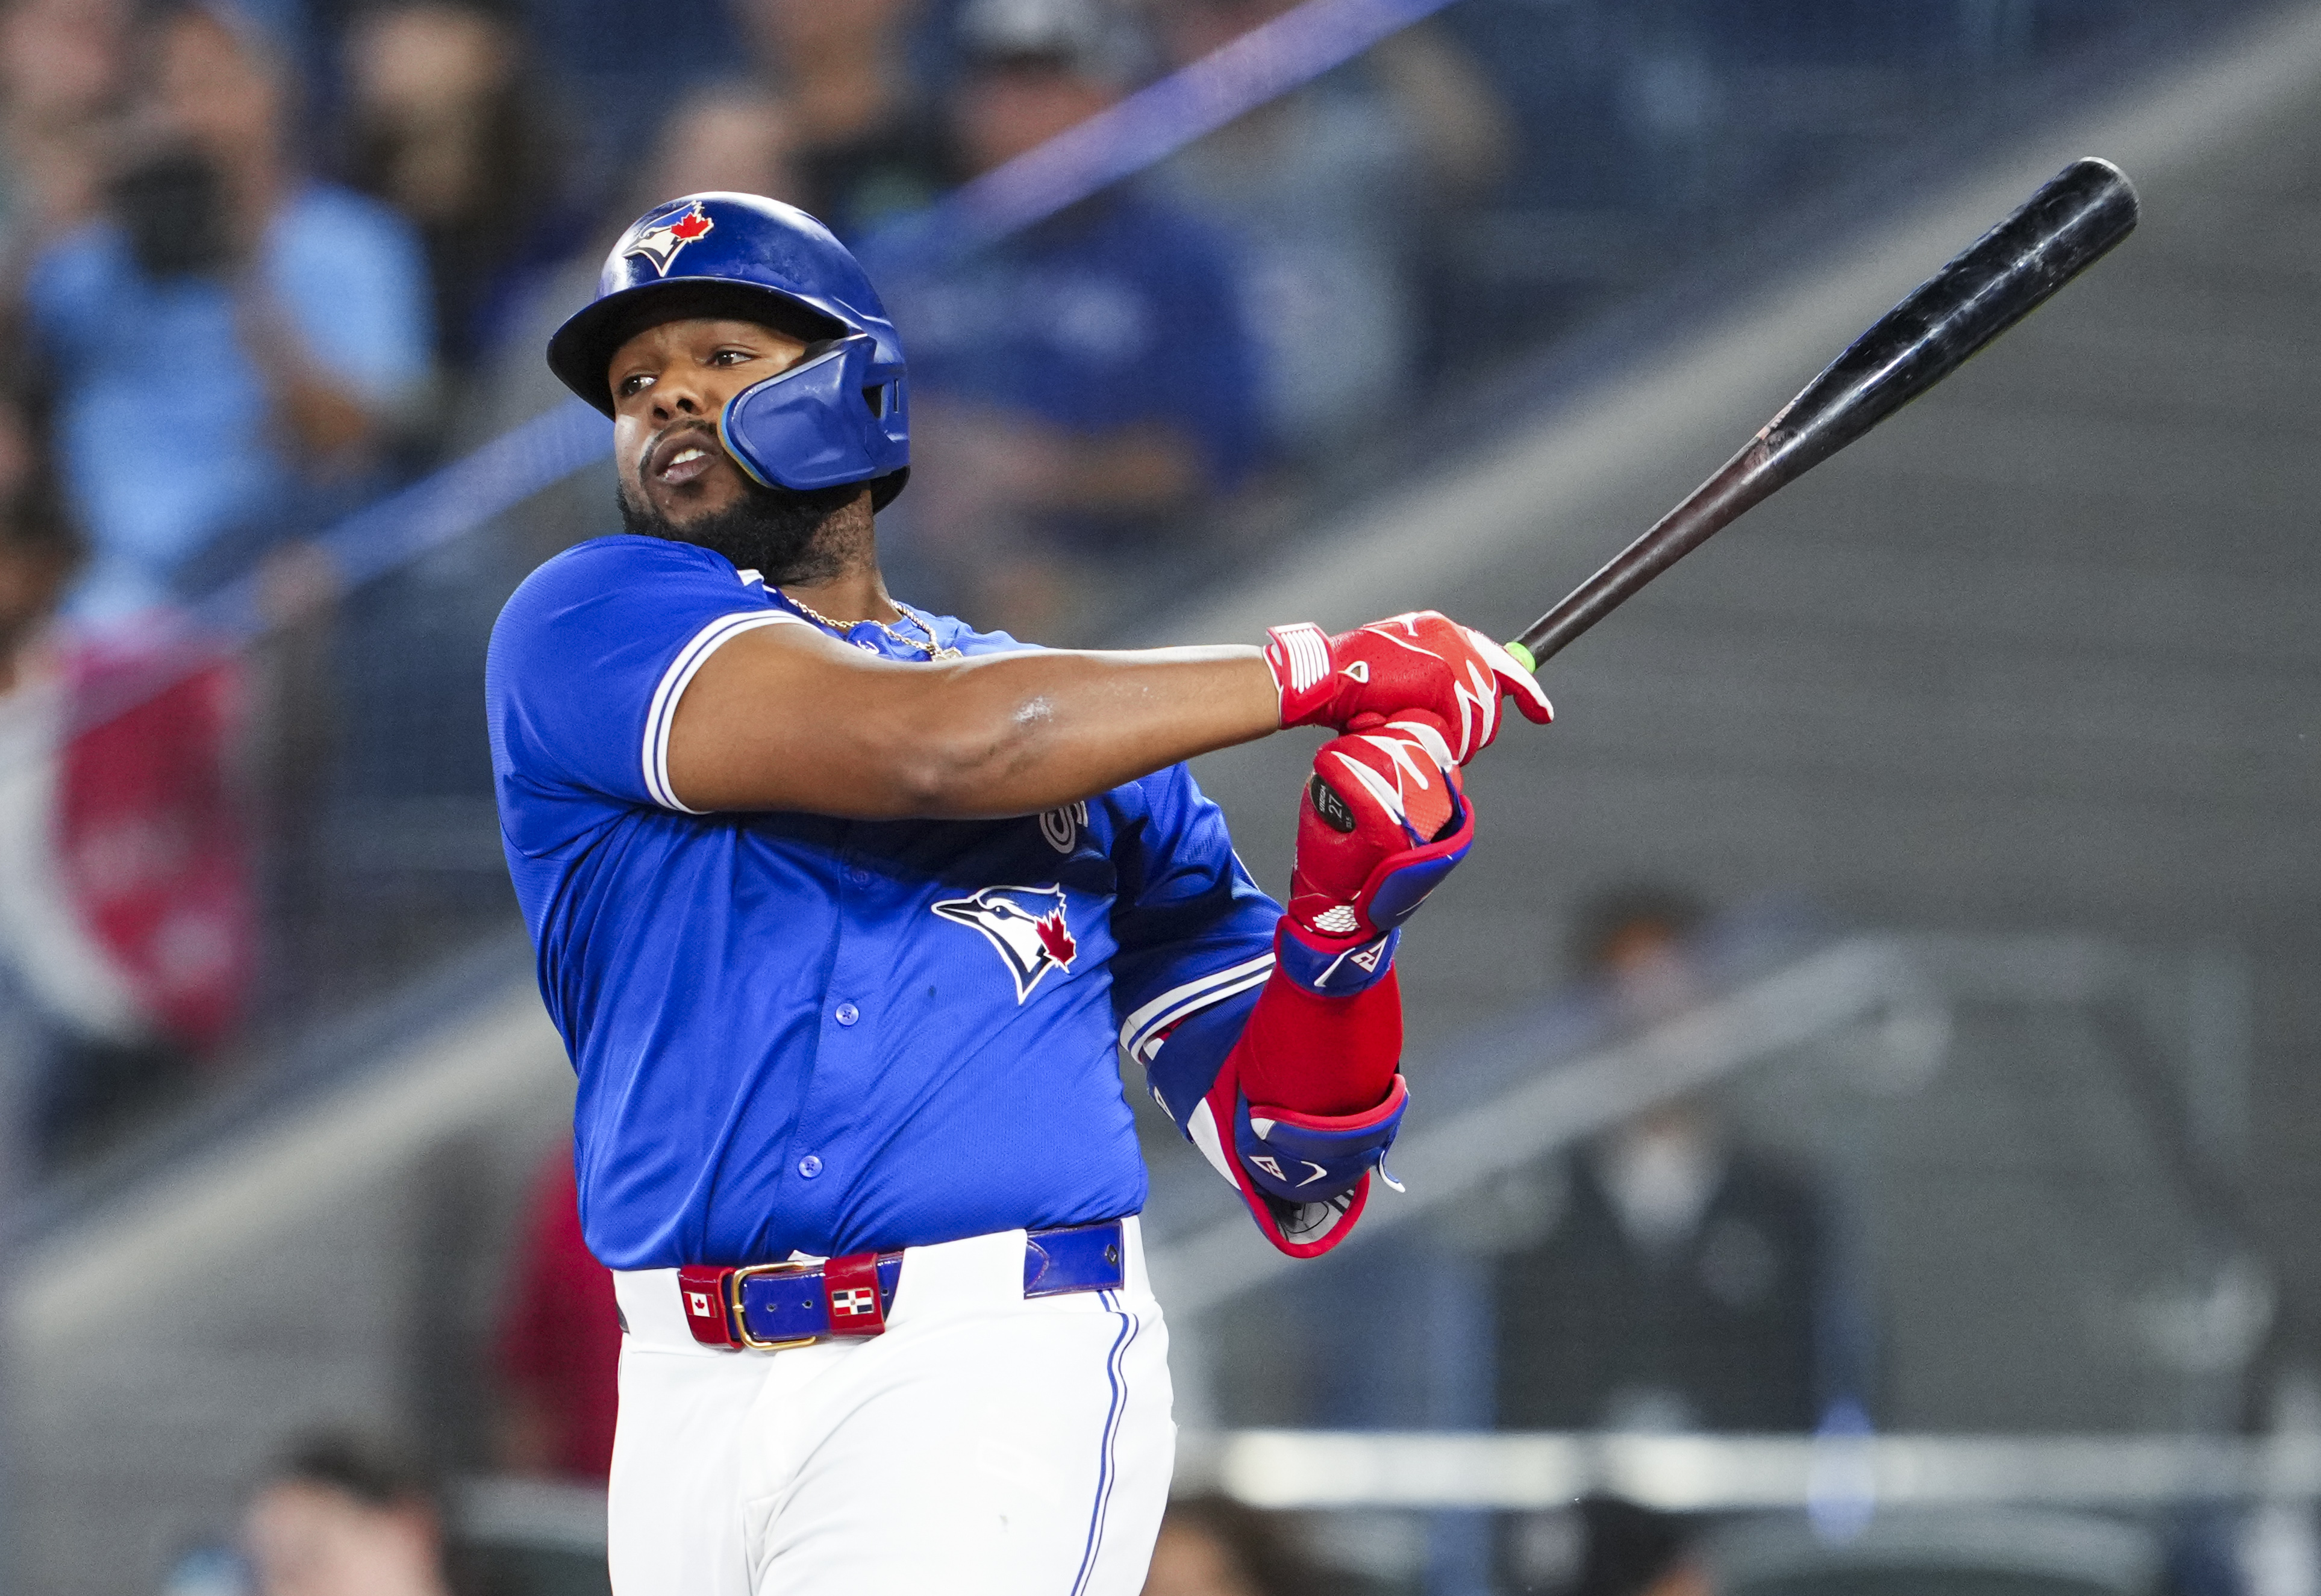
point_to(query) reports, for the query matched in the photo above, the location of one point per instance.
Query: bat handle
(1744, 480)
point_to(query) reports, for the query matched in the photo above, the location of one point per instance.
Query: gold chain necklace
(931, 648)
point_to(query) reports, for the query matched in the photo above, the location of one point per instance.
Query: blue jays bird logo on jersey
(661, 244)
(1024, 923)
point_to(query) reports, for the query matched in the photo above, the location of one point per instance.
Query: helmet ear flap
(812, 427)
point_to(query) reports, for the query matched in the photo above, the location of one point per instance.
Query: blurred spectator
(867, 146)
(234, 340)
(338, 1517)
(447, 123)
(1081, 388)
(126, 901)
(625, 62)
(1687, 1283)
(60, 69)
(728, 135)
(1212, 1545)
(1332, 193)
(1637, 1551)
(560, 1341)
(1603, 1546)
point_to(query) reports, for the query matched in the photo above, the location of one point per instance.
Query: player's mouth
(682, 457)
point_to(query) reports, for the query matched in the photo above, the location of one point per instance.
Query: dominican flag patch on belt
(852, 1282)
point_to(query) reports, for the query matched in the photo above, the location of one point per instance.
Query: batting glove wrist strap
(1331, 967)
(1304, 678)
(1421, 661)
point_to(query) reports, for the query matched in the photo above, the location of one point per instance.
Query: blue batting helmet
(840, 415)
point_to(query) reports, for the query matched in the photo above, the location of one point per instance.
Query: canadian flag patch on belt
(704, 1289)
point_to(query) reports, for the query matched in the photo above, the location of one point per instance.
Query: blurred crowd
(263, 257)
(265, 261)
(262, 261)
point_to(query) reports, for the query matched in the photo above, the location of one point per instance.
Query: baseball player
(842, 909)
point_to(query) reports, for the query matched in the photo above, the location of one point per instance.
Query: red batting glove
(1385, 819)
(1420, 661)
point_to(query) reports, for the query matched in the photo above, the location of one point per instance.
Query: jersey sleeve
(1194, 930)
(587, 664)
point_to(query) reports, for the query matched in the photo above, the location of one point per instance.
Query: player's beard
(784, 535)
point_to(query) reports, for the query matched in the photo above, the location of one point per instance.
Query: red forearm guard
(1306, 1104)
(1320, 1054)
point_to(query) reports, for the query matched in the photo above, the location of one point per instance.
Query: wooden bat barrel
(2074, 218)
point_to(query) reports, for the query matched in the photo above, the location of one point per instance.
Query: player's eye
(732, 357)
(636, 383)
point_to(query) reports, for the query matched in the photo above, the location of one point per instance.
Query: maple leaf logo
(1056, 939)
(661, 244)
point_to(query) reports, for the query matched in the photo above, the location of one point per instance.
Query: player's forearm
(1028, 731)
(763, 728)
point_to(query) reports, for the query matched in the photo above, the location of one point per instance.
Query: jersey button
(859, 877)
(848, 1013)
(809, 1166)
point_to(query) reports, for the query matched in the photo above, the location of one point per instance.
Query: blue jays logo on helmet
(841, 414)
(1025, 925)
(661, 244)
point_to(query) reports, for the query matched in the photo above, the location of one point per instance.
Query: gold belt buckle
(741, 1320)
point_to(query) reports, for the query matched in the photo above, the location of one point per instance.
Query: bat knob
(1522, 658)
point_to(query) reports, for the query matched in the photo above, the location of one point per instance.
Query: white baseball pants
(984, 1445)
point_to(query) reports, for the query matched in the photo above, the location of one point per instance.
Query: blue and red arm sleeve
(1303, 1166)
(1232, 1010)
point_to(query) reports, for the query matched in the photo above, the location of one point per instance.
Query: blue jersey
(800, 1033)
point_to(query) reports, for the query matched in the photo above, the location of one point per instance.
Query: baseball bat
(2001, 277)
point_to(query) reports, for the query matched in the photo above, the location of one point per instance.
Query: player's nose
(678, 395)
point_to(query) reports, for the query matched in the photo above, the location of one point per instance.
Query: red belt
(770, 1307)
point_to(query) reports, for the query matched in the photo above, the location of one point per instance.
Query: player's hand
(1384, 818)
(1420, 661)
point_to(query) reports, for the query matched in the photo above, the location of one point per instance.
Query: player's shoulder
(625, 563)
(620, 581)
